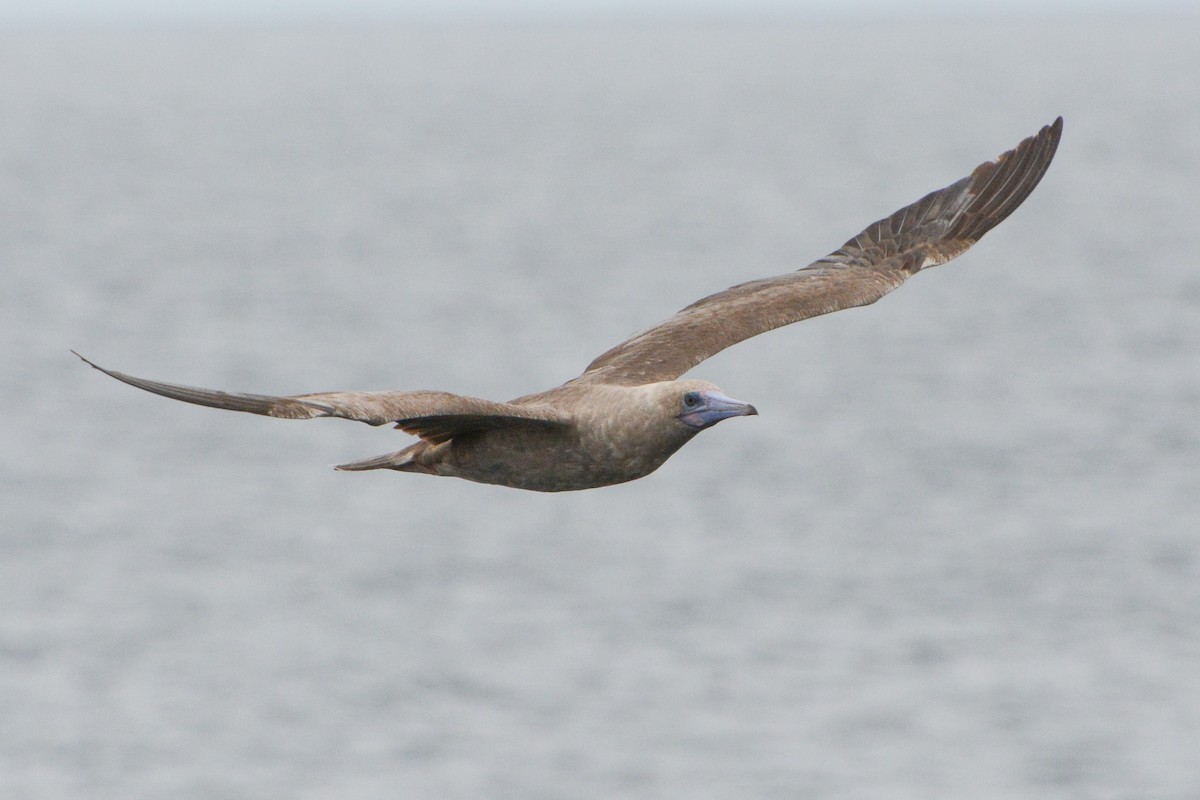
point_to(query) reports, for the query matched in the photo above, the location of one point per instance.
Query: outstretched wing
(931, 231)
(433, 416)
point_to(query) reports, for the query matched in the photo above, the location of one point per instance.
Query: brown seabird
(629, 411)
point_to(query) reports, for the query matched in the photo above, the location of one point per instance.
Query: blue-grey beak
(712, 408)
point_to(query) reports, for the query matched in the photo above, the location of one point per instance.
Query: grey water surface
(957, 555)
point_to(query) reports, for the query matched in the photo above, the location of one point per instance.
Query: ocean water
(957, 555)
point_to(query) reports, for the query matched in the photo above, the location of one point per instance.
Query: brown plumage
(628, 412)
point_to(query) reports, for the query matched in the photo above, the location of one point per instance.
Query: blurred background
(956, 555)
(142, 13)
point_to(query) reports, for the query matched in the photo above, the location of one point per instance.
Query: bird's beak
(714, 408)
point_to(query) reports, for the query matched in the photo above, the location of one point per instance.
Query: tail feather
(403, 460)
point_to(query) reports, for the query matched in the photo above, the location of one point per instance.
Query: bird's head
(700, 405)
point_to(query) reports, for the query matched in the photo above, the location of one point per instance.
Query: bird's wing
(931, 231)
(433, 416)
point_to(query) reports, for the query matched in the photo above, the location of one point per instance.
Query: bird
(630, 410)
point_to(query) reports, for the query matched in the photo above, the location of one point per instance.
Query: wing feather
(433, 416)
(941, 225)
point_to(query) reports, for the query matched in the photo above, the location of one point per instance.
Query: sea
(957, 555)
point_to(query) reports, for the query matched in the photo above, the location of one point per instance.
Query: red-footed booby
(629, 411)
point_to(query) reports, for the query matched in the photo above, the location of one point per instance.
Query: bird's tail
(405, 460)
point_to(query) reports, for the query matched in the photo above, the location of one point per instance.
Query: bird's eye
(691, 399)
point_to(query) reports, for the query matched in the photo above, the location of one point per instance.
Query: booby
(629, 411)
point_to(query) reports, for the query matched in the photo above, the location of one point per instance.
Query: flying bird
(629, 411)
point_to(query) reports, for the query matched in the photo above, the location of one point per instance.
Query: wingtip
(87, 361)
(1051, 133)
(119, 376)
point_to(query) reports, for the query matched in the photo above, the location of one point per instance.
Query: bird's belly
(546, 463)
